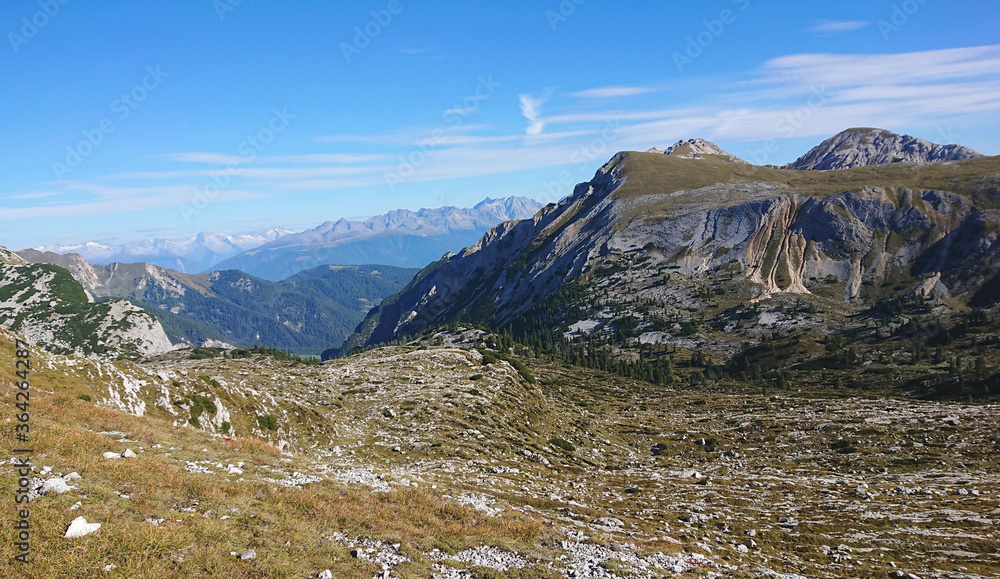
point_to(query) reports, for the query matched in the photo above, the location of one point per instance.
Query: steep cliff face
(860, 147)
(710, 220)
(51, 309)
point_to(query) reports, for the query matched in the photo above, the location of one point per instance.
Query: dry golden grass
(252, 446)
(289, 528)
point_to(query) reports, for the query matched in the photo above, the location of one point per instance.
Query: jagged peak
(695, 149)
(861, 146)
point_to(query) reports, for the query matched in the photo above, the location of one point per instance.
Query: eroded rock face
(861, 147)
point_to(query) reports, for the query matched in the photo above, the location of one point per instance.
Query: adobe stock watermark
(789, 124)
(248, 149)
(363, 35)
(454, 117)
(597, 148)
(122, 107)
(563, 11)
(223, 7)
(31, 26)
(711, 31)
(901, 14)
(947, 135)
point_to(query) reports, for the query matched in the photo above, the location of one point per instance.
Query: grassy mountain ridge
(48, 305)
(302, 314)
(665, 256)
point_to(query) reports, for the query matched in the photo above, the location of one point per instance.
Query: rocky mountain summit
(695, 149)
(860, 147)
(45, 304)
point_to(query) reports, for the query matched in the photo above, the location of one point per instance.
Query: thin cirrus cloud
(225, 159)
(606, 92)
(838, 26)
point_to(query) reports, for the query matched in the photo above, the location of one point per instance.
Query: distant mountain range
(400, 238)
(188, 255)
(302, 314)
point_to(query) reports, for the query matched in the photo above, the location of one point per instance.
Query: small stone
(247, 555)
(751, 533)
(54, 486)
(111, 455)
(80, 528)
(127, 453)
(325, 575)
(76, 506)
(750, 544)
(610, 522)
(110, 566)
(233, 469)
(73, 476)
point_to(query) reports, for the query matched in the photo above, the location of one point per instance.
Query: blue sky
(129, 120)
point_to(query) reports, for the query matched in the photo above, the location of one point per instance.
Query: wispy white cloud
(531, 110)
(100, 199)
(605, 92)
(829, 27)
(36, 195)
(928, 67)
(204, 158)
(224, 159)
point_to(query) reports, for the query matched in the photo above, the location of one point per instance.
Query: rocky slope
(425, 461)
(399, 238)
(46, 305)
(661, 250)
(302, 314)
(860, 147)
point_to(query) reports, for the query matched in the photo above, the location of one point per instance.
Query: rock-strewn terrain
(552, 471)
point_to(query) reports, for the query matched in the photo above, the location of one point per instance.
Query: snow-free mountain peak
(858, 147)
(695, 149)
